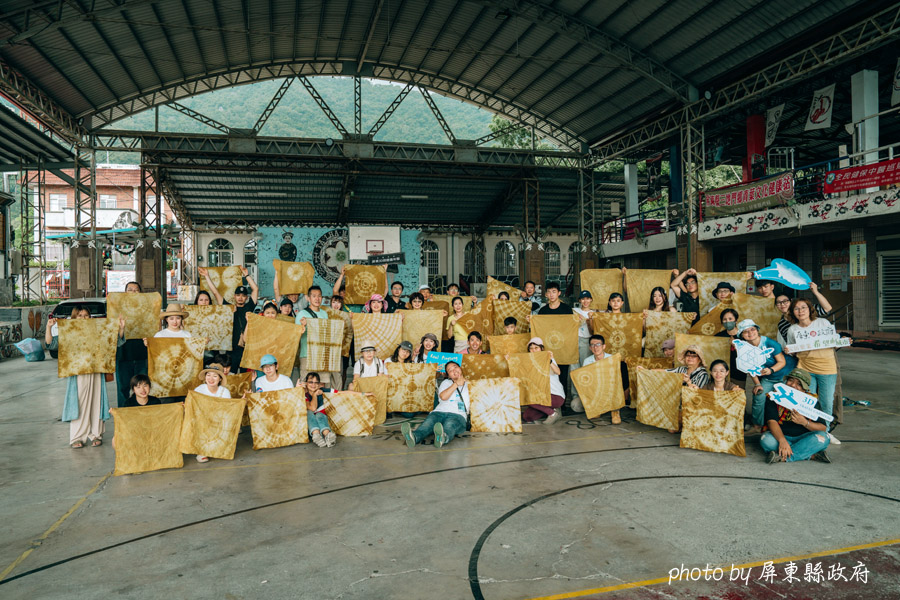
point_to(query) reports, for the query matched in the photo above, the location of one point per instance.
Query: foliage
(519, 137)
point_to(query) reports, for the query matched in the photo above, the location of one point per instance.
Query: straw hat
(692, 348)
(213, 368)
(173, 310)
(367, 345)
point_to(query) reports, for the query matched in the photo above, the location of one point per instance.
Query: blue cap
(268, 359)
(585, 294)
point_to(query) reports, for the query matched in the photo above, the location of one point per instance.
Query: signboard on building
(864, 176)
(858, 260)
(749, 196)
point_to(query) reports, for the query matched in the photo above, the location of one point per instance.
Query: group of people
(785, 435)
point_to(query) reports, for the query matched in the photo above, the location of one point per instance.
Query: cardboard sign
(819, 343)
(792, 399)
(442, 358)
(750, 359)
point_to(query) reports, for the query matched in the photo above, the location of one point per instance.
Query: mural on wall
(803, 215)
(328, 249)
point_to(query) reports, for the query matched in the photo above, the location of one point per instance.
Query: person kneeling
(451, 414)
(791, 436)
(319, 429)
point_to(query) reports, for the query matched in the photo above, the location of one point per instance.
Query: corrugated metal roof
(22, 142)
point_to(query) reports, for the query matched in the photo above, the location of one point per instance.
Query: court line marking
(37, 542)
(759, 563)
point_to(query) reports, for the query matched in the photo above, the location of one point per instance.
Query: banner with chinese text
(863, 176)
(748, 197)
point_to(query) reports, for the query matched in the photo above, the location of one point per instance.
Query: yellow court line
(37, 542)
(658, 580)
(393, 454)
(881, 411)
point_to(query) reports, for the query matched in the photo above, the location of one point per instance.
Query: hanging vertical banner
(858, 266)
(821, 108)
(773, 120)
(895, 85)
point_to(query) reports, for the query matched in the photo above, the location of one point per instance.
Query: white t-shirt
(583, 331)
(168, 333)
(591, 359)
(222, 392)
(458, 403)
(283, 382)
(364, 370)
(556, 388)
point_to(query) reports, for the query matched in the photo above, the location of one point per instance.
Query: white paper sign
(821, 109)
(773, 119)
(793, 399)
(820, 343)
(895, 87)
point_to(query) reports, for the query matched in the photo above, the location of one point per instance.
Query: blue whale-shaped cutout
(784, 272)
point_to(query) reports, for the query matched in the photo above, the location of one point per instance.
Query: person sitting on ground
(429, 343)
(597, 345)
(271, 380)
(687, 291)
(449, 417)
(773, 370)
(791, 436)
(475, 341)
(140, 392)
(368, 364)
(533, 412)
(213, 378)
(718, 378)
(615, 303)
(317, 421)
(460, 337)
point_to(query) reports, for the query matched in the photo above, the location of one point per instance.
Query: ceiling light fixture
(413, 197)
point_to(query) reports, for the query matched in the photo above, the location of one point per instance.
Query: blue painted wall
(321, 247)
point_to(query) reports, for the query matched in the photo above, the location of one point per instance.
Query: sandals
(97, 442)
(76, 445)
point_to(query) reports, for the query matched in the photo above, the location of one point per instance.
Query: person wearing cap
(668, 348)
(789, 436)
(533, 412)
(425, 290)
(402, 353)
(368, 364)
(772, 372)
(286, 307)
(428, 343)
(245, 298)
(271, 380)
(212, 377)
(687, 292)
(449, 417)
(375, 305)
(460, 336)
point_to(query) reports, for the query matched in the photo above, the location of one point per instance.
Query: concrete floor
(570, 511)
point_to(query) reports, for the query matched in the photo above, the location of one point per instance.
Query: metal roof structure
(22, 143)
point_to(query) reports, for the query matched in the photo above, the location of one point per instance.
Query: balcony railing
(637, 226)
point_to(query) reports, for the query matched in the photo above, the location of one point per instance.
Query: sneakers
(202, 459)
(752, 430)
(439, 435)
(833, 439)
(773, 457)
(407, 434)
(330, 438)
(820, 457)
(317, 439)
(616, 417)
(553, 418)
(576, 405)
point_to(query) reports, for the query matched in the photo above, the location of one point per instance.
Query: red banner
(747, 197)
(863, 176)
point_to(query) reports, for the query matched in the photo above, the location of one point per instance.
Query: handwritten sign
(750, 359)
(793, 399)
(820, 343)
(442, 358)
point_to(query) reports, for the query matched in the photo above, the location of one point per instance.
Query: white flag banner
(821, 109)
(895, 86)
(773, 119)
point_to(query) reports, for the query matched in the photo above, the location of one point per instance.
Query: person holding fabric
(449, 417)
(320, 431)
(555, 306)
(659, 302)
(172, 323)
(213, 378)
(314, 311)
(615, 303)
(773, 370)
(729, 319)
(509, 325)
(245, 299)
(298, 301)
(693, 370)
(503, 296)
(765, 288)
(687, 291)
(597, 345)
(791, 437)
(585, 329)
(668, 348)
(453, 290)
(416, 300)
(533, 412)
(460, 337)
(368, 364)
(723, 293)
(429, 343)
(375, 305)
(529, 295)
(140, 392)
(131, 357)
(474, 340)
(86, 405)
(718, 382)
(271, 380)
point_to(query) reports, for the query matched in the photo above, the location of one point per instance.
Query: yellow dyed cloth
(211, 425)
(484, 366)
(658, 398)
(640, 282)
(632, 363)
(511, 308)
(502, 345)
(323, 344)
(761, 310)
(293, 277)
(239, 383)
(495, 405)
(533, 370)
(434, 305)
(662, 326)
(271, 336)
(348, 328)
(378, 387)
(147, 438)
(87, 346)
(468, 301)
(141, 312)
(480, 319)
(278, 419)
(214, 322)
(622, 332)
(411, 387)
(226, 280)
(494, 287)
(363, 281)
(713, 348)
(710, 323)
(707, 282)
(285, 318)
(713, 421)
(599, 386)
(173, 365)
(601, 283)
(560, 336)
(385, 331)
(350, 414)
(416, 323)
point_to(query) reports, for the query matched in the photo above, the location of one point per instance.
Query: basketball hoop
(374, 247)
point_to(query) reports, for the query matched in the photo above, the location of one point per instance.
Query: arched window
(220, 253)
(431, 260)
(573, 254)
(504, 259)
(473, 262)
(551, 260)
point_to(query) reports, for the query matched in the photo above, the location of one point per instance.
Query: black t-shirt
(240, 320)
(133, 350)
(132, 401)
(390, 305)
(562, 309)
(689, 303)
(782, 416)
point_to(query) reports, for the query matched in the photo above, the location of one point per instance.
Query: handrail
(638, 225)
(847, 316)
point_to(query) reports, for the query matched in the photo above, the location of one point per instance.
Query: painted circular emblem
(330, 253)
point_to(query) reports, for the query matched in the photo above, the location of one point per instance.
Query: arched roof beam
(148, 99)
(584, 33)
(42, 19)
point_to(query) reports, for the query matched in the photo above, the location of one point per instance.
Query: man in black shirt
(244, 302)
(394, 302)
(555, 306)
(687, 292)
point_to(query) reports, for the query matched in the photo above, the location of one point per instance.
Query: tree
(519, 137)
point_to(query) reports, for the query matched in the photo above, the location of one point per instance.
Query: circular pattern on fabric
(365, 283)
(708, 329)
(556, 340)
(295, 272)
(617, 340)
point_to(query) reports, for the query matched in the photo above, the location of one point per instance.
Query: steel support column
(531, 204)
(693, 151)
(85, 255)
(32, 192)
(587, 213)
(357, 105)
